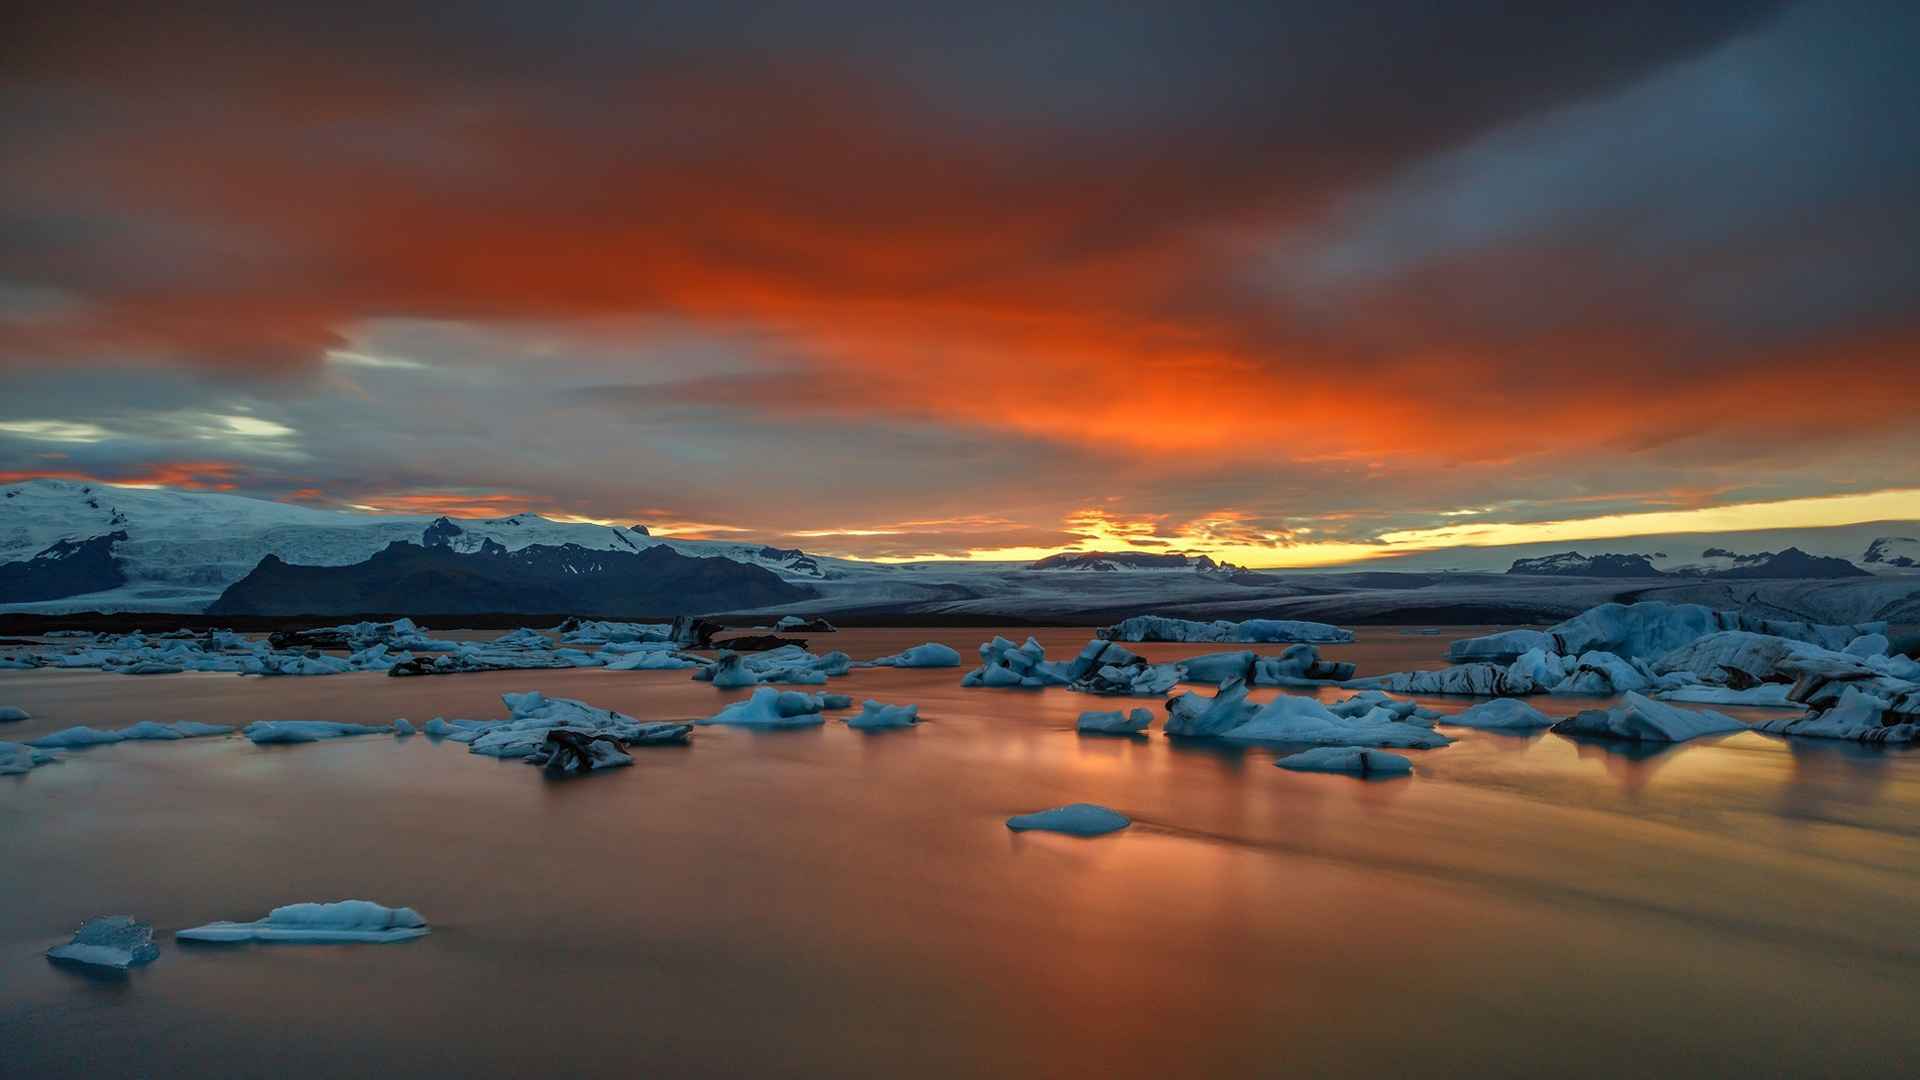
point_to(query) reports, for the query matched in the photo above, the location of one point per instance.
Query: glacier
(1271, 631)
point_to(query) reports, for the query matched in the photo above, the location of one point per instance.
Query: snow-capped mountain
(1893, 552)
(181, 549)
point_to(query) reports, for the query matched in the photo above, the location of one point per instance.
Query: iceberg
(1600, 674)
(596, 632)
(1348, 759)
(403, 727)
(877, 717)
(17, 758)
(10, 713)
(1509, 714)
(145, 731)
(532, 716)
(791, 664)
(772, 708)
(523, 638)
(1272, 631)
(1859, 716)
(565, 752)
(1078, 819)
(1195, 716)
(270, 732)
(1005, 664)
(1643, 719)
(341, 921)
(1764, 696)
(470, 659)
(1479, 679)
(1645, 630)
(438, 728)
(1289, 718)
(931, 655)
(111, 941)
(1115, 722)
(1367, 701)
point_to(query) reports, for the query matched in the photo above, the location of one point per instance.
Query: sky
(1291, 283)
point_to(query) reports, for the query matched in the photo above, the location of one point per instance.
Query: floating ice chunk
(1161, 628)
(17, 758)
(341, 921)
(438, 727)
(876, 717)
(565, 752)
(266, 732)
(1479, 679)
(111, 941)
(1602, 674)
(1647, 629)
(833, 702)
(1500, 714)
(652, 660)
(403, 726)
(772, 708)
(930, 655)
(1859, 716)
(1763, 695)
(1078, 819)
(1868, 645)
(9, 713)
(523, 638)
(1115, 722)
(790, 664)
(1193, 715)
(1290, 718)
(1401, 709)
(77, 736)
(730, 673)
(1643, 719)
(1348, 759)
(1025, 666)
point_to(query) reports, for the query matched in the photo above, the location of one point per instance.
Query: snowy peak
(1574, 564)
(1107, 562)
(1896, 552)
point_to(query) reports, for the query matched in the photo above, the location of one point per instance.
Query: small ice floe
(145, 731)
(111, 941)
(1273, 631)
(875, 716)
(268, 732)
(1115, 722)
(17, 758)
(578, 631)
(339, 922)
(470, 659)
(1648, 629)
(801, 624)
(10, 713)
(402, 727)
(1078, 819)
(1500, 714)
(1104, 667)
(437, 728)
(565, 752)
(1642, 719)
(770, 708)
(1348, 759)
(930, 655)
(1192, 714)
(1858, 715)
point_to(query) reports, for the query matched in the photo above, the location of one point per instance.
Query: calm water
(822, 902)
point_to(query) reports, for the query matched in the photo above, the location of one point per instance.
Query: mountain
(538, 578)
(177, 550)
(1791, 563)
(1112, 561)
(1901, 552)
(1574, 564)
(63, 568)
